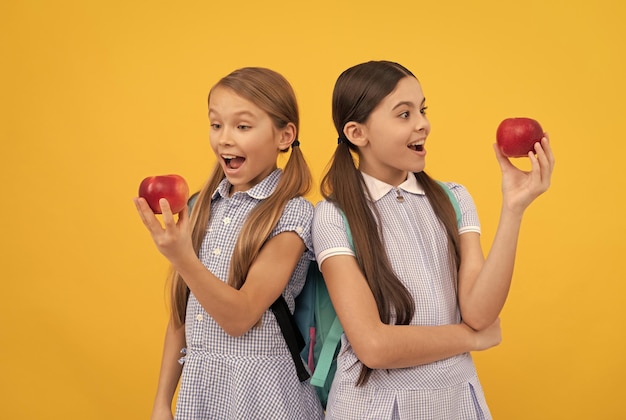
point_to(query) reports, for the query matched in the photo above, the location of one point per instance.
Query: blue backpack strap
(454, 201)
(348, 231)
(327, 356)
(305, 313)
(192, 200)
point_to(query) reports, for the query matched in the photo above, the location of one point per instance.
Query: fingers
(150, 220)
(547, 148)
(145, 213)
(184, 214)
(166, 212)
(543, 162)
(502, 160)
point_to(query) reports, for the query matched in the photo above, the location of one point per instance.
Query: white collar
(379, 189)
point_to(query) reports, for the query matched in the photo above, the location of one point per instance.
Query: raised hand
(520, 188)
(173, 237)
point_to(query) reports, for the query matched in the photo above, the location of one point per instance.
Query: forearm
(229, 307)
(238, 310)
(483, 300)
(392, 346)
(382, 346)
(171, 369)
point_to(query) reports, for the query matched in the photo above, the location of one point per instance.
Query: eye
(423, 110)
(244, 127)
(405, 115)
(215, 126)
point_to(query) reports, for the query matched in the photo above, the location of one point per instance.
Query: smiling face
(244, 138)
(391, 142)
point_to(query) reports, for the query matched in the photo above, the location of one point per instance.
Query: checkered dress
(417, 247)
(252, 376)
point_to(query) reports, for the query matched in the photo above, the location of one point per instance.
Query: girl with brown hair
(414, 292)
(246, 242)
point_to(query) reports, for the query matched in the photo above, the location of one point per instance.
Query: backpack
(319, 337)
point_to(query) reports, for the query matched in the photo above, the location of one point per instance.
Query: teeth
(229, 156)
(419, 143)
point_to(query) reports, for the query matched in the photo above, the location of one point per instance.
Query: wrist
(470, 337)
(185, 263)
(512, 212)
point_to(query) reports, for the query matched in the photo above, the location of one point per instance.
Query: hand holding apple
(517, 136)
(172, 187)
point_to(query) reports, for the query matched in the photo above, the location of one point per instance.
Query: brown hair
(272, 93)
(357, 92)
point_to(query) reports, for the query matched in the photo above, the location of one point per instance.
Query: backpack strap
(192, 200)
(292, 335)
(454, 201)
(327, 355)
(348, 231)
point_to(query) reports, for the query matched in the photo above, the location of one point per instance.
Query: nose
(422, 124)
(225, 137)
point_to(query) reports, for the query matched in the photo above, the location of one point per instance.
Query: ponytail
(344, 186)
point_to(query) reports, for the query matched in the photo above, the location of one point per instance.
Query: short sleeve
(297, 217)
(329, 232)
(469, 221)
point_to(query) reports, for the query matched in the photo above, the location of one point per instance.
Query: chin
(417, 168)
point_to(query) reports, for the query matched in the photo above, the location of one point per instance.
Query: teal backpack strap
(192, 200)
(348, 231)
(328, 354)
(454, 201)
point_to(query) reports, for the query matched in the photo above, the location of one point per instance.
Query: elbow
(478, 322)
(237, 327)
(234, 331)
(371, 351)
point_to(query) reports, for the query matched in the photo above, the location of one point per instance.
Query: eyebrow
(407, 103)
(237, 114)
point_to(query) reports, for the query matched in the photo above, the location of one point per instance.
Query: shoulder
(297, 215)
(470, 221)
(330, 235)
(459, 190)
(327, 210)
(461, 193)
(327, 216)
(299, 206)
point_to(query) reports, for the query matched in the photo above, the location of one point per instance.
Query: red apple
(173, 188)
(517, 136)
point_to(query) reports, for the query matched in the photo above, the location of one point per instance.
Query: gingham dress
(417, 247)
(252, 376)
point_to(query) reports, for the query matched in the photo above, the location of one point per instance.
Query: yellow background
(97, 95)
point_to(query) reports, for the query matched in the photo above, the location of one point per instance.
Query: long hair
(357, 92)
(273, 94)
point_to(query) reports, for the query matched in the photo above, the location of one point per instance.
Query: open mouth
(418, 147)
(233, 162)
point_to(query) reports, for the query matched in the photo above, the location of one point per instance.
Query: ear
(356, 133)
(287, 135)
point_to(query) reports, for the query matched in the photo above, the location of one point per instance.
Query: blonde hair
(357, 92)
(271, 92)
